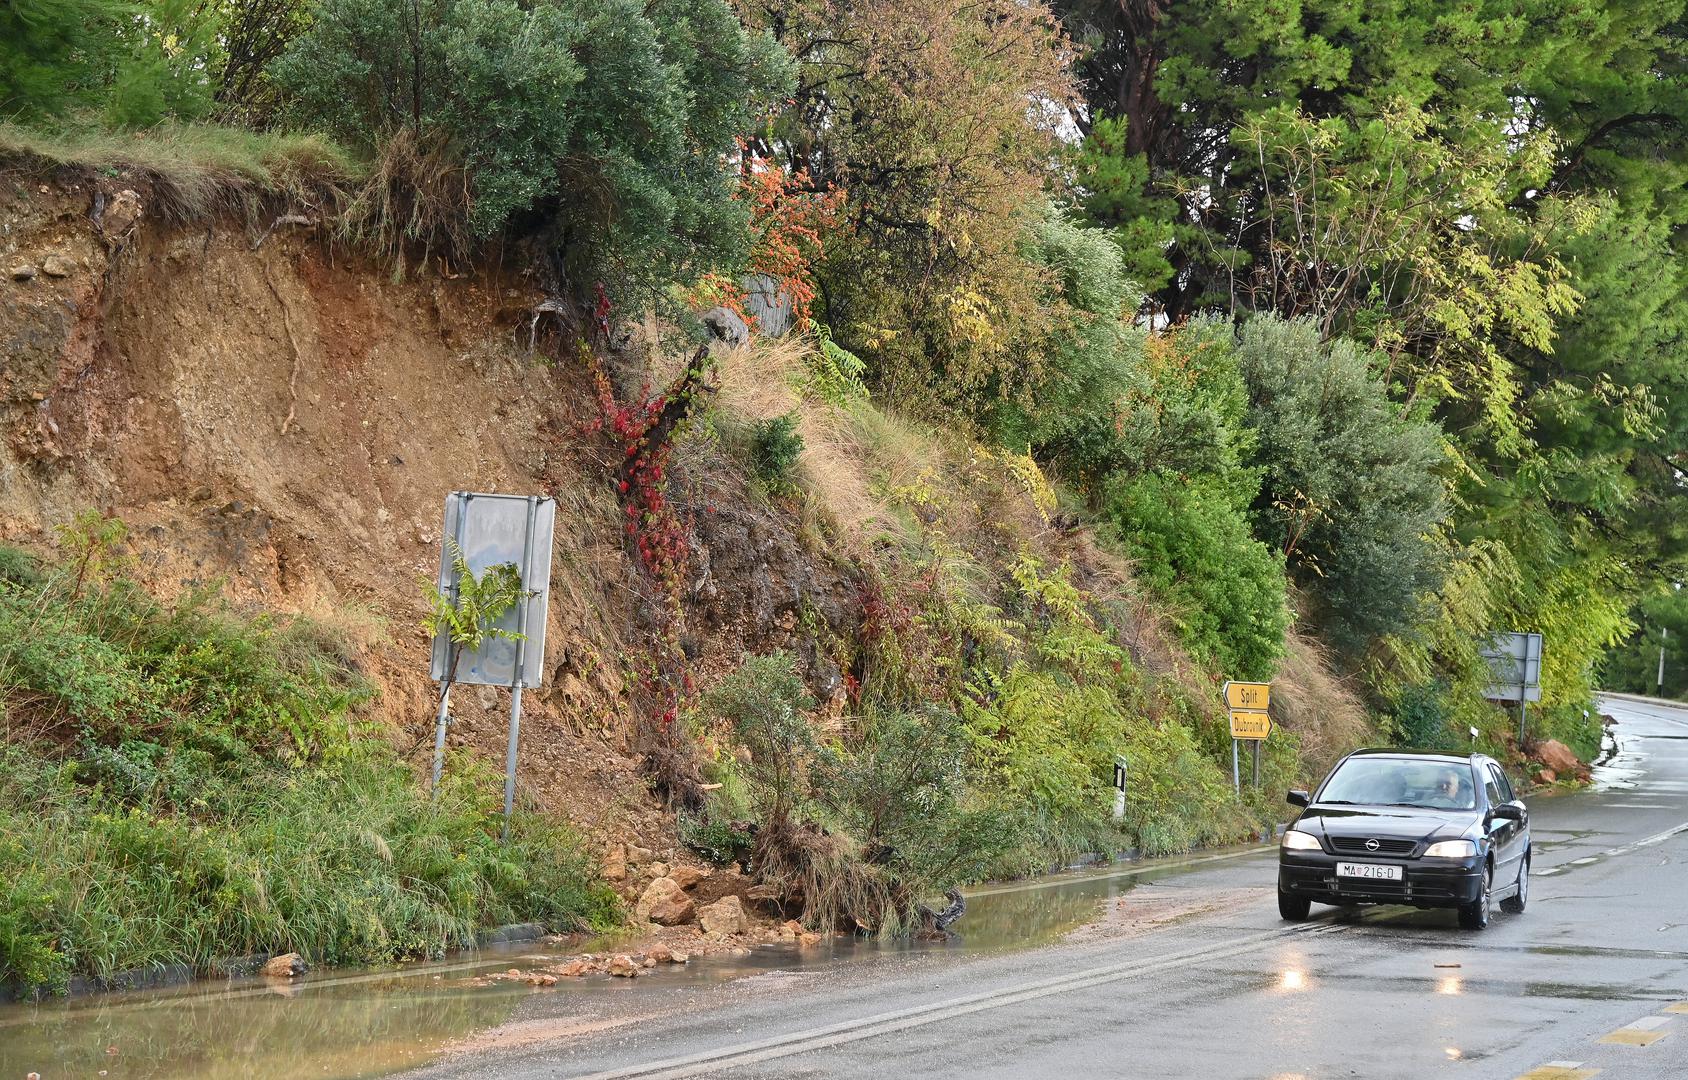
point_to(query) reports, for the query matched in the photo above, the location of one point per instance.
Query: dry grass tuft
(197, 171)
(416, 193)
(852, 458)
(1310, 701)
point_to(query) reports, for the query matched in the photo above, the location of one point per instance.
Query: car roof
(1444, 756)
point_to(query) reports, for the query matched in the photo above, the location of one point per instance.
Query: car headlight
(1451, 849)
(1299, 841)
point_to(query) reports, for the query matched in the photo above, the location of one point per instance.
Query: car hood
(1393, 822)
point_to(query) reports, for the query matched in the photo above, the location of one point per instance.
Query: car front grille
(1361, 845)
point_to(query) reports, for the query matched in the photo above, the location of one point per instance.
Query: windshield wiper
(1340, 802)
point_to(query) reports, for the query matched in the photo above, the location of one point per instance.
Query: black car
(1427, 829)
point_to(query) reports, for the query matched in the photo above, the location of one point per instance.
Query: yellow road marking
(1679, 1007)
(1629, 1036)
(1558, 1072)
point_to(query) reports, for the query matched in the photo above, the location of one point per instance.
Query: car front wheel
(1475, 915)
(1293, 908)
(1514, 904)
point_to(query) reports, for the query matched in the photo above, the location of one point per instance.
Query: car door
(1508, 835)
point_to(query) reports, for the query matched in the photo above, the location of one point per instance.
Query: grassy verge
(196, 169)
(186, 784)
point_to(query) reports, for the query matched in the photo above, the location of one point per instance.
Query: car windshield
(1382, 781)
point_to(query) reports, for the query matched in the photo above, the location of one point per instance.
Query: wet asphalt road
(1581, 985)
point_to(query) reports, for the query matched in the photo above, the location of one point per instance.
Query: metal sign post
(518, 673)
(491, 530)
(1515, 672)
(1247, 703)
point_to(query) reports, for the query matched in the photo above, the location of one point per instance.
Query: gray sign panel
(1515, 663)
(494, 529)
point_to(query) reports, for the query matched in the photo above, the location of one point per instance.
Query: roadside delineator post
(1120, 768)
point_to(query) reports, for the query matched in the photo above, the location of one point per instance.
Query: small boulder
(724, 916)
(23, 272)
(57, 266)
(1547, 776)
(574, 969)
(808, 941)
(658, 870)
(615, 864)
(1558, 757)
(664, 903)
(678, 957)
(639, 855)
(685, 876)
(725, 326)
(623, 967)
(285, 966)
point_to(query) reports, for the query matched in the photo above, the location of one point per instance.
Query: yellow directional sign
(1249, 696)
(1249, 724)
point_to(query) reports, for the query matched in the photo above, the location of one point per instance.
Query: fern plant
(467, 615)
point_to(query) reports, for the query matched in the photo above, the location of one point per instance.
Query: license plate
(1374, 871)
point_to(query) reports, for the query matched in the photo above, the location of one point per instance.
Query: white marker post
(1119, 787)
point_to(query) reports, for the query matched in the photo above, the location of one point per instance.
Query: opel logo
(1371, 845)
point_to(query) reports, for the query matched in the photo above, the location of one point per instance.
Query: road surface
(1591, 981)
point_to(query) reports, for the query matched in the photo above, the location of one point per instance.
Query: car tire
(1514, 904)
(1475, 915)
(1293, 908)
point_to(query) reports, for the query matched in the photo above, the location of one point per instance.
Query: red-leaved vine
(644, 431)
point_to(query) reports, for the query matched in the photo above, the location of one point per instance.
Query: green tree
(1351, 493)
(940, 119)
(600, 126)
(138, 61)
(1661, 626)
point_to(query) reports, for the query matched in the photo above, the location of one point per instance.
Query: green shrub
(600, 124)
(720, 841)
(835, 374)
(775, 446)
(1423, 717)
(185, 783)
(903, 794)
(18, 568)
(1351, 489)
(350, 864)
(1192, 544)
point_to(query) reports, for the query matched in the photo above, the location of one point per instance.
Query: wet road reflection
(348, 1025)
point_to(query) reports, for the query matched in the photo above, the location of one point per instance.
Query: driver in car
(1447, 793)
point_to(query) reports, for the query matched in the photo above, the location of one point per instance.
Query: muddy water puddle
(351, 1024)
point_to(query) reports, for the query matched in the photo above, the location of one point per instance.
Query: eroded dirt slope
(286, 420)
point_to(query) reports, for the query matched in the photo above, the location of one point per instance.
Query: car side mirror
(1507, 811)
(1297, 798)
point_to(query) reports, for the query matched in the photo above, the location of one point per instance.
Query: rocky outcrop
(285, 966)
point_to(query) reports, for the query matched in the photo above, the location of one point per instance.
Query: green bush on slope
(186, 784)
